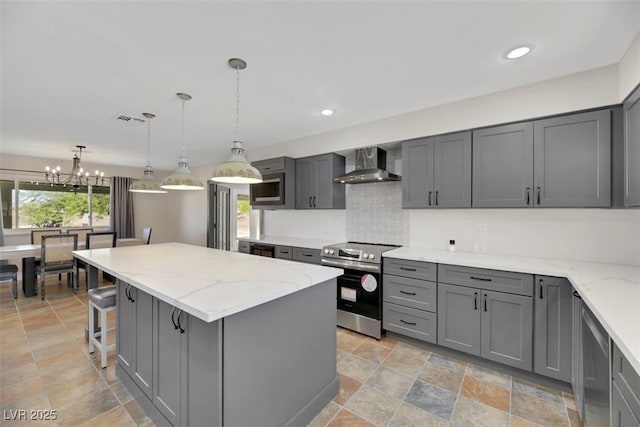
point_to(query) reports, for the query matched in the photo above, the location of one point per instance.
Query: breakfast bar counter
(209, 337)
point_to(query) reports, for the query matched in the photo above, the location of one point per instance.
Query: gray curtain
(122, 207)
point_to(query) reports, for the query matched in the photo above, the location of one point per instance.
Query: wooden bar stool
(104, 300)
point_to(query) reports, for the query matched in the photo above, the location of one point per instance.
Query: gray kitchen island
(208, 337)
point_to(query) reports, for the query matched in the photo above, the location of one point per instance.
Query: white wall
(579, 91)
(629, 69)
(154, 210)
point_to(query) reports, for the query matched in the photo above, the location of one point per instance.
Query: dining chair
(96, 240)
(56, 257)
(36, 235)
(146, 235)
(10, 271)
(81, 232)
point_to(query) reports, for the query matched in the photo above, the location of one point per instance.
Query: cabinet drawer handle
(528, 195)
(407, 293)
(407, 269)
(475, 300)
(307, 254)
(437, 197)
(408, 323)
(284, 252)
(173, 312)
(429, 198)
(482, 279)
(538, 194)
(266, 169)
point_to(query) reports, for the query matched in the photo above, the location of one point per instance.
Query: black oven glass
(353, 295)
(269, 191)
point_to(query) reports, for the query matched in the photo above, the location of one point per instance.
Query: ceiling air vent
(126, 118)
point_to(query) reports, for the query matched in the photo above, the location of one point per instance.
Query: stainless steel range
(359, 294)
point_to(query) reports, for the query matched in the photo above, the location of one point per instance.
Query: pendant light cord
(237, 103)
(184, 150)
(148, 142)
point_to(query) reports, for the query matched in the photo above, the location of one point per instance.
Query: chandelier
(77, 177)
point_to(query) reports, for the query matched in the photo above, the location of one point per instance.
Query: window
(243, 229)
(44, 205)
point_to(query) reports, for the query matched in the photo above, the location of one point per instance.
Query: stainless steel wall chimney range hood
(371, 166)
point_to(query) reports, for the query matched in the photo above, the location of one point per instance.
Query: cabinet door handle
(485, 302)
(538, 194)
(407, 293)
(429, 198)
(173, 312)
(576, 294)
(130, 297)
(482, 279)
(310, 205)
(540, 288)
(314, 201)
(437, 197)
(407, 268)
(528, 195)
(408, 323)
(475, 300)
(179, 324)
(126, 292)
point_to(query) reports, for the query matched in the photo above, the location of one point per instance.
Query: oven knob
(331, 252)
(326, 251)
(371, 256)
(365, 255)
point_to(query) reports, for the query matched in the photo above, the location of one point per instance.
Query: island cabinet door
(459, 318)
(169, 369)
(143, 367)
(507, 329)
(126, 335)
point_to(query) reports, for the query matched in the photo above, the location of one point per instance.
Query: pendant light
(182, 179)
(147, 184)
(237, 169)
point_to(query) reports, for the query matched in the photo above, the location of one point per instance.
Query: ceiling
(68, 68)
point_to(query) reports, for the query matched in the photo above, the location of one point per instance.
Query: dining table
(28, 253)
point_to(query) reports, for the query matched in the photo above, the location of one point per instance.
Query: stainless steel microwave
(270, 192)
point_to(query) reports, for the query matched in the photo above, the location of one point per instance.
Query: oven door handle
(351, 265)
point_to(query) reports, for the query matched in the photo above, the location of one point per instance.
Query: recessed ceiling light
(327, 112)
(518, 51)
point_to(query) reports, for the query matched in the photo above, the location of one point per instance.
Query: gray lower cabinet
(315, 188)
(135, 346)
(408, 321)
(553, 328)
(631, 120)
(311, 256)
(186, 368)
(244, 246)
(503, 166)
(283, 252)
(577, 375)
(621, 413)
(459, 318)
(437, 172)
(494, 325)
(626, 382)
(572, 160)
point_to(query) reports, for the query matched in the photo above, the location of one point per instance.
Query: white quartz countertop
(207, 283)
(611, 291)
(299, 242)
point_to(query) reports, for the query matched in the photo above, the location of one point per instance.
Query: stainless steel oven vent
(371, 166)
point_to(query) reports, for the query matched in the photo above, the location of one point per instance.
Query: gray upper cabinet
(552, 332)
(503, 166)
(315, 188)
(437, 172)
(631, 120)
(572, 160)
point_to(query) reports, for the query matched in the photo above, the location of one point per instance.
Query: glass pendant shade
(182, 179)
(147, 184)
(237, 169)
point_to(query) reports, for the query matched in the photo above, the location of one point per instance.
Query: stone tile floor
(45, 365)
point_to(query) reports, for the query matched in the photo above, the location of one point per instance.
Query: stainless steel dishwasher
(595, 353)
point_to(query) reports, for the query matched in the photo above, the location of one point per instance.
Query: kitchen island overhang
(221, 338)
